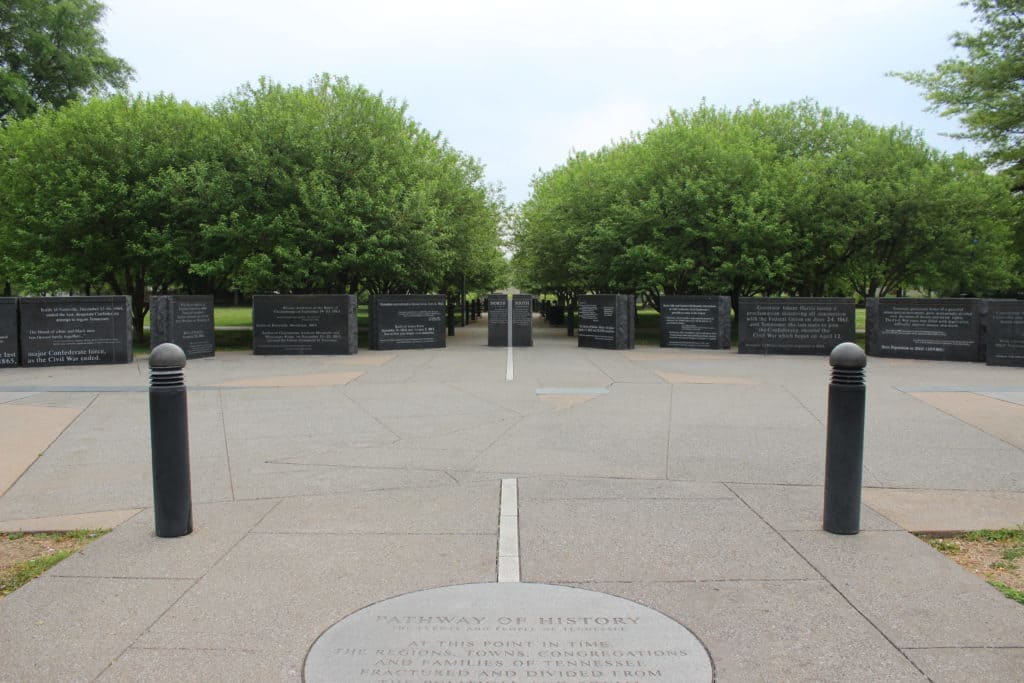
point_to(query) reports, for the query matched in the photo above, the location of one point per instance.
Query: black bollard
(168, 430)
(844, 449)
(570, 319)
(451, 317)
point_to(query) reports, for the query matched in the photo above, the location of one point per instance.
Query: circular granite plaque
(506, 632)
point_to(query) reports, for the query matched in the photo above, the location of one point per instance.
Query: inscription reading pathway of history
(507, 632)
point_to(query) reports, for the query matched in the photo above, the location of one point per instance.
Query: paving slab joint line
(803, 405)
(68, 426)
(102, 519)
(834, 587)
(142, 634)
(227, 446)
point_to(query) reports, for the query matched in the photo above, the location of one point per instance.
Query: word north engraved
(498, 324)
(507, 632)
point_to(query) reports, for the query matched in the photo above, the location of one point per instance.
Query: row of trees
(325, 188)
(795, 199)
(332, 188)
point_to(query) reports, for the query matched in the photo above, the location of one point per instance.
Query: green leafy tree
(109, 194)
(794, 199)
(985, 87)
(321, 189)
(51, 53)
(337, 190)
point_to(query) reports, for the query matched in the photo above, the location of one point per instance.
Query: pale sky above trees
(520, 83)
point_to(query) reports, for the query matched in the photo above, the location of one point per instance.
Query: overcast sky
(520, 84)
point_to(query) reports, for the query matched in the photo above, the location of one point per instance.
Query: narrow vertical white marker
(508, 363)
(508, 532)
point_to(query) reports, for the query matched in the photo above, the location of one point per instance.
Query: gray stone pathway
(687, 481)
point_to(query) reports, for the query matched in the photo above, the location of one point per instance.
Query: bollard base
(173, 528)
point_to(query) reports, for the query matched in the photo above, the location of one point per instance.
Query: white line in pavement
(508, 532)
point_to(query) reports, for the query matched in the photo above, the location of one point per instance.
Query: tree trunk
(139, 309)
(138, 320)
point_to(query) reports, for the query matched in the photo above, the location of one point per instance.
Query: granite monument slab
(75, 330)
(498, 322)
(927, 329)
(507, 632)
(304, 324)
(8, 332)
(795, 325)
(696, 322)
(407, 321)
(185, 320)
(1004, 337)
(607, 321)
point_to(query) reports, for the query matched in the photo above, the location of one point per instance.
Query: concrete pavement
(687, 481)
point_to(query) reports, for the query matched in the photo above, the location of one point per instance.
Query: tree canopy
(337, 189)
(323, 188)
(107, 194)
(985, 87)
(51, 53)
(795, 199)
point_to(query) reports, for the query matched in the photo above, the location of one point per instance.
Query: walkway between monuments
(689, 482)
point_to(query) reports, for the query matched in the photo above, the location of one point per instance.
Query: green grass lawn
(226, 316)
(232, 316)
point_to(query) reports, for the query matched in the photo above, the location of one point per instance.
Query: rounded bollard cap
(167, 355)
(847, 355)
